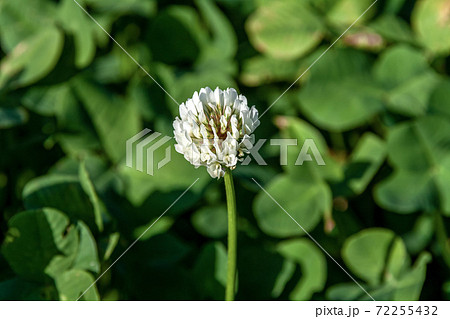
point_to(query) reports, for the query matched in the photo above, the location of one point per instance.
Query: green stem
(232, 236)
(442, 238)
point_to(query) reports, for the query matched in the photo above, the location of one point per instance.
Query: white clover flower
(215, 129)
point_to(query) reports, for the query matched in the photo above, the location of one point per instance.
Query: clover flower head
(215, 129)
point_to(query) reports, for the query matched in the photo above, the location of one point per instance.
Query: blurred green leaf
(10, 117)
(372, 262)
(410, 285)
(286, 190)
(174, 35)
(89, 189)
(365, 160)
(394, 6)
(56, 191)
(346, 12)
(430, 22)
(40, 244)
(352, 98)
(421, 234)
(76, 133)
(32, 58)
(210, 271)
(21, 19)
(191, 82)
(114, 121)
(263, 70)
(211, 221)
(285, 29)
(419, 151)
(46, 101)
(380, 257)
(295, 128)
(75, 21)
(399, 64)
(72, 283)
(284, 275)
(141, 7)
(178, 174)
(440, 99)
(87, 256)
(154, 227)
(393, 28)
(223, 43)
(113, 240)
(20, 289)
(405, 73)
(346, 292)
(313, 266)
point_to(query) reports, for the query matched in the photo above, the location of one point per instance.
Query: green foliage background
(377, 105)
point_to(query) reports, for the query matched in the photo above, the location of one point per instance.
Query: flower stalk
(215, 130)
(232, 236)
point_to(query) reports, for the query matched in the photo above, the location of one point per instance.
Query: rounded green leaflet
(56, 191)
(340, 95)
(285, 29)
(346, 12)
(430, 20)
(21, 19)
(304, 201)
(40, 244)
(403, 284)
(32, 58)
(406, 193)
(398, 64)
(211, 221)
(374, 255)
(408, 79)
(419, 151)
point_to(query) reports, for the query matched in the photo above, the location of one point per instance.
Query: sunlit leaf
(32, 58)
(430, 20)
(73, 283)
(285, 29)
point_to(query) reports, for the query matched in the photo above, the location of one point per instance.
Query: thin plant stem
(232, 236)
